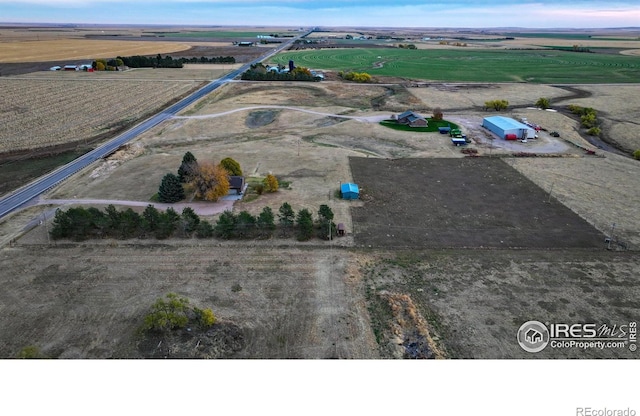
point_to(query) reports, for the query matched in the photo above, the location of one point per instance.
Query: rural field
(445, 255)
(474, 65)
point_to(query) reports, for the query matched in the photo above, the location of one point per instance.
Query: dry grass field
(322, 299)
(38, 113)
(75, 49)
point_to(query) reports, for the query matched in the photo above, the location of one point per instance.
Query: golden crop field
(41, 113)
(74, 49)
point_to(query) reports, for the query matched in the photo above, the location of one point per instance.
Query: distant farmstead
(411, 119)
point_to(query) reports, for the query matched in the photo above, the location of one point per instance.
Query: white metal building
(503, 126)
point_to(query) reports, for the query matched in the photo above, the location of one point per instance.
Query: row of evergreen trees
(85, 223)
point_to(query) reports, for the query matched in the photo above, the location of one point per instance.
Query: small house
(341, 230)
(236, 185)
(349, 191)
(411, 119)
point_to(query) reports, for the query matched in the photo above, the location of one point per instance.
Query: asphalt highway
(34, 189)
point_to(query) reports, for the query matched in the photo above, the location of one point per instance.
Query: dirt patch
(260, 118)
(470, 202)
(126, 152)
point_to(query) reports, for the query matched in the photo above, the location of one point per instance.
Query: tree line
(158, 61)
(81, 224)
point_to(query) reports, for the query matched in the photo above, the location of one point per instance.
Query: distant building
(70, 68)
(412, 119)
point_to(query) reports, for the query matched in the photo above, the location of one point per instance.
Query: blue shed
(349, 191)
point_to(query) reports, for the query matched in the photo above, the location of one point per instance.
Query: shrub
(166, 314)
(205, 317)
(636, 154)
(231, 166)
(356, 76)
(30, 352)
(270, 183)
(543, 103)
(496, 105)
(594, 131)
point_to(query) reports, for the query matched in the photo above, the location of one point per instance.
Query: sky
(372, 13)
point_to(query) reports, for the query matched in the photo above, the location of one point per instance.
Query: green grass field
(470, 65)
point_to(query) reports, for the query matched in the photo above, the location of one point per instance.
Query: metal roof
(506, 123)
(349, 187)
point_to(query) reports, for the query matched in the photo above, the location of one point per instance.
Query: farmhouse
(508, 128)
(411, 119)
(349, 191)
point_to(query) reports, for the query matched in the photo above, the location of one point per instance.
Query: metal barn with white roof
(508, 128)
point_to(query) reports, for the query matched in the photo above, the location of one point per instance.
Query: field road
(28, 192)
(367, 119)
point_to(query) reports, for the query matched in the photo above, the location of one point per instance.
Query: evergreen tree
(265, 222)
(171, 189)
(204, 230)
(304, 221)
(286, 217)
(190, 220)
(188, 167)
(245, 224)
(61, 225)
(226, 225)
(167, 224)
(130, 222)
(327, 227)
(150, 219)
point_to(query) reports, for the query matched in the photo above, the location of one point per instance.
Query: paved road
(25, 194)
